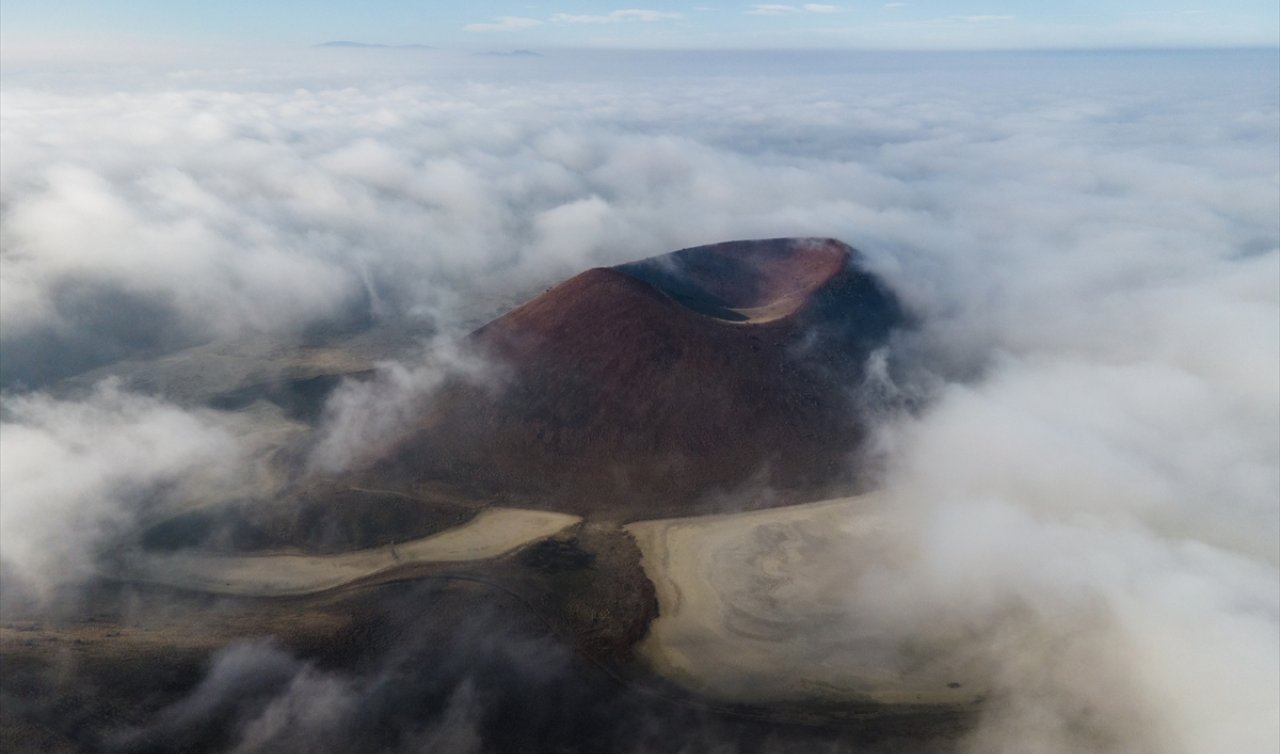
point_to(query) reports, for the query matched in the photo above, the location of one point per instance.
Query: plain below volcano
(663, 382)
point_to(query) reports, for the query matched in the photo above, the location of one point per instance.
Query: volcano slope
(624, 394)
(652, 386)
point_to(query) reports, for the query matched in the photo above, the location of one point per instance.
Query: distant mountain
(511, 54)
(658, 382)
(346, 43)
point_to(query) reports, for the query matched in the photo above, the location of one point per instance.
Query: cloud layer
(1090, 241)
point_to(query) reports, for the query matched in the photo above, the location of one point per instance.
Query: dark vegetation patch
(556, 555)
(300, 399)
(605, 602)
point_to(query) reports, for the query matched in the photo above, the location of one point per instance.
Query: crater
(744, 281)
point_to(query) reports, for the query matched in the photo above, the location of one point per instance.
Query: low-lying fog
(1090, 241)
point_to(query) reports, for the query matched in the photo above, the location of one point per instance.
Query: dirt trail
(492, 533)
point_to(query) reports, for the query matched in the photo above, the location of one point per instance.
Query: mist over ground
(1090, 242)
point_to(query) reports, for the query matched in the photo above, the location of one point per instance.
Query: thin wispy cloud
(504, 23)
(618, 16)
(981, 19)
(783, 10)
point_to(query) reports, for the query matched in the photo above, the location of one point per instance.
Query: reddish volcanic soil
(660, 382)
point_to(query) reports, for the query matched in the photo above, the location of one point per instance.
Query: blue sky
(928, 24)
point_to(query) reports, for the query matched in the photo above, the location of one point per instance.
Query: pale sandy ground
(754, 607)
(780, 307)
(493, 532)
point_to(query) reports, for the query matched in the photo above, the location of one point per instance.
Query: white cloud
(821, 8)
(617, 16)
(77, 476)
(1053, 506)
(504, 23)
(361, 418)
